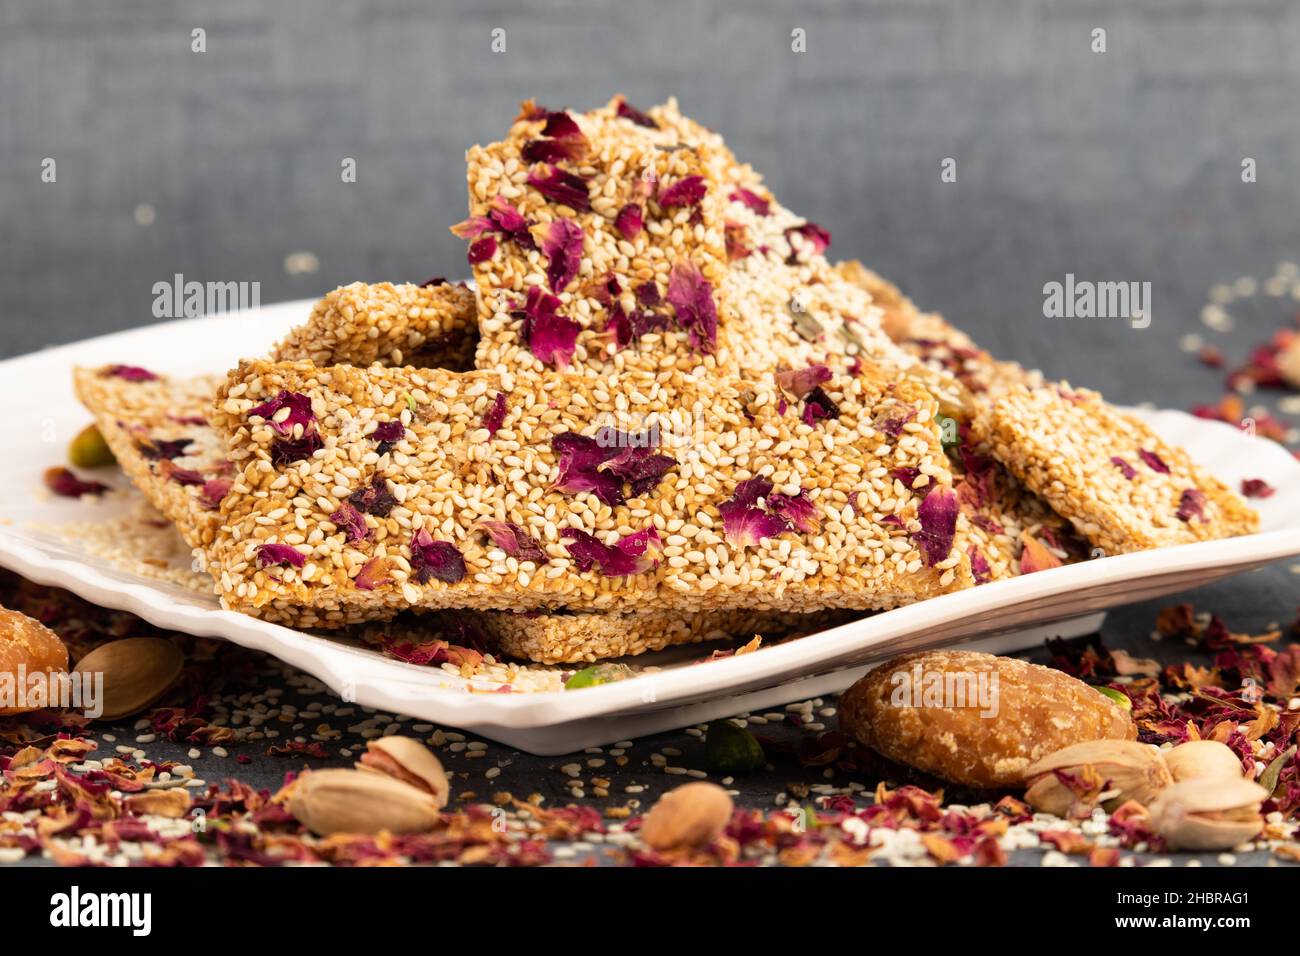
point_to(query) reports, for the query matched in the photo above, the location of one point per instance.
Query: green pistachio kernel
(89, 450)
(597, 675)
(732, 749)
(1118, 696)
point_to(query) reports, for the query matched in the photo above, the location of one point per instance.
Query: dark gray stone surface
(1123, 165)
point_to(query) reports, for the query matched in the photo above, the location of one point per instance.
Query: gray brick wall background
(1122, 165)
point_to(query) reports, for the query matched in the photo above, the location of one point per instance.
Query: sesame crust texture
(858, 543)
(586, 638)
(429, 326)
(158, 430)
(1122, 487)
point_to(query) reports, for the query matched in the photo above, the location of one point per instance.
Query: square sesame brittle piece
(431, 326)
(158, 429)
(1122, 487)
(138, 418)
(362, 492)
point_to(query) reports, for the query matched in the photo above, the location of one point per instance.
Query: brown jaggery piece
(27, 643)
(429, 326)
(1035, 711)
(1074, 450)
(448, 474)
(142, 421)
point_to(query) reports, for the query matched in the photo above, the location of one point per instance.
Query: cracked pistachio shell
(408, 760)
(1137, 771)
(350, 801)
(1208, 813)
(1203, 758)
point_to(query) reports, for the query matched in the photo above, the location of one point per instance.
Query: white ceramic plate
(40, 414)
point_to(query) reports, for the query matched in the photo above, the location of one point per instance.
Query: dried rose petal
(288, 450)
(561, 187)
(629, 220)
(629, 327)
(632, 554)
(551, 337)
(388, 434)
(513, 540)
(736, 238)
(691, 296)
(433, 283)
(435, 560)
(813, 236)
(350, 521)
(511, 222)
(797, 510)
(213, 491)
(906, 474)
(299, 407)
(158, 449)
(132, 373)
(1256, 488)
(373, 574)
(276, 555)
(1127, 470)
(473, 227)
(496, 415)
(481, 250)
(687, 191)
(753, 200)
(800, 383)
(743, 522)
(979, 566)
(1191, 504)
(938, 516)
(375, 499)
(563, 250)
(1035, 556)
(63, 482)
(818, 405)
(640, 467)
(891, 420)
(565, 141)
(1153, 461)
(580, 459)
(647, 295)
(629, 112)
(182, 476)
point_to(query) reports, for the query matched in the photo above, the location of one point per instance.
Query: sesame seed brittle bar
(1120, 486)
(594, 248)
(676, 258)
(157, 427)
(139, 416)
(362, 492)
(431, 326)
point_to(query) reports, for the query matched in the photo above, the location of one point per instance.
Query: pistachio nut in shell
(338, 800)
(137, 671)
(408, 760)
(1137, 771)
(688, 817)
(1203, 758)
(1208, 813)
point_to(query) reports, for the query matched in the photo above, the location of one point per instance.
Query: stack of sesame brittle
(662, 415)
